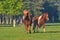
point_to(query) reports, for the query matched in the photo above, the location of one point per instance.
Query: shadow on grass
(49, 32)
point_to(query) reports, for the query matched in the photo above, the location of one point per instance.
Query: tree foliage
(34, 5)
(10, 7)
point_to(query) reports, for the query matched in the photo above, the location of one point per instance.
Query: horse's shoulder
(40, 17)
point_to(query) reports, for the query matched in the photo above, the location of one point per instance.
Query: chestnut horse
(41, 21)
(26, 20)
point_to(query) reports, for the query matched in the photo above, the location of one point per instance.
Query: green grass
(18, 33)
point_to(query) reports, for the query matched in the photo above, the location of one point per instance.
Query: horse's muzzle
(47, 19)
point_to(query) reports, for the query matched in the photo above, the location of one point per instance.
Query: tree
(35, 5)
(10, 7)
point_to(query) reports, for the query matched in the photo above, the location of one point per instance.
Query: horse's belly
(40, 23)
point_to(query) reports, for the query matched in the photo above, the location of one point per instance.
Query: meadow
(19, 33)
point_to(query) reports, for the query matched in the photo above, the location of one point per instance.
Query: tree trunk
(3, 20)
(6, 20)
(10, 20)
(0, 20)
(14, 23)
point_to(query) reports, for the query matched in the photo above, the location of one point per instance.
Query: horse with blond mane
(26, 20)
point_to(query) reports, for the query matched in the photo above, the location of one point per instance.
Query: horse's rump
(35, 18)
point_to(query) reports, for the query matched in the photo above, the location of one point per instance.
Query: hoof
(37, 32)
(44, 31)
(33, 31)
(30, 31)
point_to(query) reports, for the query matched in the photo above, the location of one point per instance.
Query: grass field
(18, 33)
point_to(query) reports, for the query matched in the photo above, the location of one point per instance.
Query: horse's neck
(40, 17)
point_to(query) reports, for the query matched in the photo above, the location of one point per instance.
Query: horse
(40, 21)
(26, 20)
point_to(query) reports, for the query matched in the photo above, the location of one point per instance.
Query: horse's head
(45, 15)
(25, 11)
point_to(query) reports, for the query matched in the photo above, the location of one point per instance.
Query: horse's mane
(27, 14)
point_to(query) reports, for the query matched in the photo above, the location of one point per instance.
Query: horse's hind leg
(37, 29)
(34, 28)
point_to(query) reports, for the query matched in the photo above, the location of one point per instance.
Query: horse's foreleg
(26, 28)
(38, 28)
(44, 27)
(29, 29)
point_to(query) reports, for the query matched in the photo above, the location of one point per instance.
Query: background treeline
(12, 9)
(52, 7)
(9, 10)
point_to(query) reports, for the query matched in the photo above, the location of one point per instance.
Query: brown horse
(26, 20)
(40, 21)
